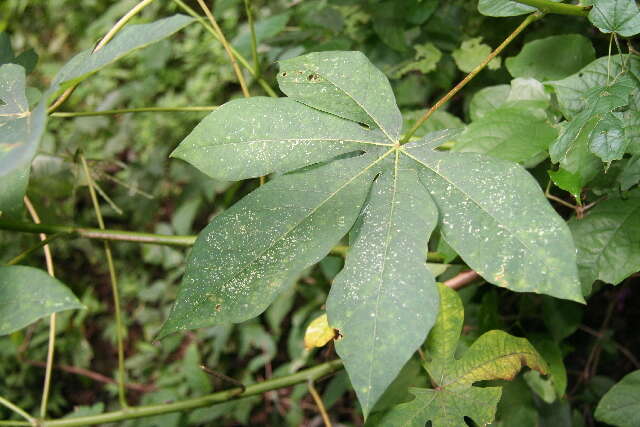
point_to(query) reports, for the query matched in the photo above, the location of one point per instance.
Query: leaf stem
(225, 44)
(548, 6)
(254, 41)
(122, 397)
(132, 110)
(313, 373)
(318, 400)
(18, 410)
(110, 35)
(52, 318)
(241, 59)
(34, 248)
(447, 97)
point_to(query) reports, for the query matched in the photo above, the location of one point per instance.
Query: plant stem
(222, 396)
(110, 35)
(122, 397)
(548, 6)
(318, 400)
(52, 318)
(254, 41)
(98, 234)
(131, 110)
(34, 248)
(528, 20)
(18, 410)
(225, 44)
(243, 61)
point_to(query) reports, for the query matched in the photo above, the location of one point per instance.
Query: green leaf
(28, 294)
(248, 254)
(425, 60)
(345, 84)
(608, 240)
(495, 355)
(512, 132)
(616, 16)
(572, 92)
(630, 175)
(241, 260)
(552, 58)
(15, 185)
(21, 128)
(385, 284)
(599, 102)
(487, 99)
(502, 8)
(247, 138)
(132, 37)
(494, 215)
(264, 28)
(439, 120)
(621, 405)
(471, 53)
(608, 140)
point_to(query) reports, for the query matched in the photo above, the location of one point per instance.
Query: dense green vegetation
(338, 212)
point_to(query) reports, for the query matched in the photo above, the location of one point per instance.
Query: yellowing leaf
(318, 333)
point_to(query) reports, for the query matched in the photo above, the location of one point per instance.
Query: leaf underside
(334, 142)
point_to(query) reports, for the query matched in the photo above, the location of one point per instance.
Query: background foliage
(424, 47)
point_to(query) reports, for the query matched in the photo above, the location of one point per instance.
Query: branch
(462, 279)
(222, 396)
(528, 20)
(548, 6)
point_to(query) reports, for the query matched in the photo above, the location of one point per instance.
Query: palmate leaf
(495, 355)
(341, 122)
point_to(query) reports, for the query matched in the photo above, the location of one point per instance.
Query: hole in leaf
(284, 74)
(218, 307)
(313, 77)
(364, 125)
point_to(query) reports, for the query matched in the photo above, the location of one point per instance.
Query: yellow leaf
(318, 333)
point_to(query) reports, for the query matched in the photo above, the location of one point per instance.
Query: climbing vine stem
(447, 97)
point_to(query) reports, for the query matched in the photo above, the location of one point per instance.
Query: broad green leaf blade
(598, 102)
(494, 215)
(241, 260)
(471, 53)
(345, 84)
(28, 294)
(495, 355)
(616, 16)
(246, 138)
(630, 175)
(608, 240)
(572, 90)
(552, 58)
(486, 100)
(384, 301)
(608, 140)
(132, 37)
(21, 129)
(512, 132)
(14, 187)
(445, 409)
(620, 406)
(502, 8)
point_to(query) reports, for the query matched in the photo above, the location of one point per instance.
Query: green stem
(241, 59)
(122, 397)
(132, 110)
(548, 6)
(446, 98)
(254, 40)
(223, 396)
(18, 410)
(110, 35)
(34, 248)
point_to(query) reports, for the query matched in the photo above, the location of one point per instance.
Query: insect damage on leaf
(337, 177)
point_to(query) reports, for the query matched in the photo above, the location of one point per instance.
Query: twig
(68, 114)
(52, 319)
(318, 400)
(225, 44)
(114, 285)
(223, 377)
(461, 280)
(96, 376)
(624, 350)
(34, 248)
(18, 411)
(528, 20)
